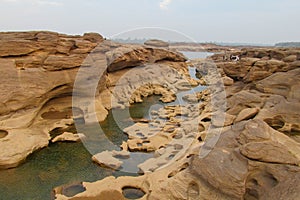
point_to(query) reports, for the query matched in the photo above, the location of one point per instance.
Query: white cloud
(35, 2)
(164, 4)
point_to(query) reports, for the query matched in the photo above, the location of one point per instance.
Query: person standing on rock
(234, 58)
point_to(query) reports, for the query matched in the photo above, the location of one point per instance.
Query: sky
(240, 21)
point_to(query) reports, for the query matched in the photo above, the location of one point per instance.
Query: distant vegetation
(130, 40)
(288, 44)
(142, 40)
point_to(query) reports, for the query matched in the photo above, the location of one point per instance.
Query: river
(67, 163)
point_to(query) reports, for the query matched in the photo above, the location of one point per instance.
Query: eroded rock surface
(251, 152)
(238, 139)
(156, 43)
(40, 71)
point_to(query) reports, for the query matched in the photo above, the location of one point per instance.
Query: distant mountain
(288, 44)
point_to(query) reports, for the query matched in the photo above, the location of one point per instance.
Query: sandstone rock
(280, 181)
(290, 58)
(284, 84)
(39, 71)
(156, 43)
(107, 159)
(244, 99)
(17, 48)
(228, 81)
(55, 62)
(112, 189)
(257, 157)
(131, 56)
(252, 151)
(220, 122)
(93, 37)
(192, 98)
(268, 152)
(263, 69)
(18, 144)
(246, 114)
(294, 65)
(230, 168)
(236, 70)
(68, 137)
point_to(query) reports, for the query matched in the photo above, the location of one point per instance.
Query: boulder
(107, 159)
(246, 114)
(68, 137)
(93, 37)
(132, 56)
(156, 43)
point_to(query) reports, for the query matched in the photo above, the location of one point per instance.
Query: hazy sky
(255, 21)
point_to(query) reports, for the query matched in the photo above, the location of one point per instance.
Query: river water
(67, 163)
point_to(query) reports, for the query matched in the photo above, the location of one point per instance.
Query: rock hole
(271, 180)
(171, 157)
(161, 147)
(3, 133)
(295, 130)
(72, 190)
(206, 119)
(251, 194)
(178, 147)
(132, 192)
(184, 166)
(55, 132)
(190, 155)
(201, 128)
(200, 139)
(276, 122)
(254, 181)
(178, 136)
(140, 134)
(58, 131)
(173, 173)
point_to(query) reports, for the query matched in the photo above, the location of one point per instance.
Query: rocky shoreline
(257, 154)
(238, 139)
(39, 70)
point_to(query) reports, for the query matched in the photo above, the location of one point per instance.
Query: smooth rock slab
(246, 114)
(107, 160)
(68, 137)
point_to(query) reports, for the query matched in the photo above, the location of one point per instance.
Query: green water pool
(67, 163)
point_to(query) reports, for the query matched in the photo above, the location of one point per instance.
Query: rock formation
(238, 139)
(257, 154)
(39, 71)
(156, 43)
